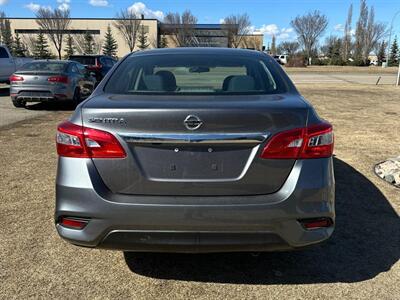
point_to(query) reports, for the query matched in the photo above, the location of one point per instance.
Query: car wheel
(77, 97)
(18, 103)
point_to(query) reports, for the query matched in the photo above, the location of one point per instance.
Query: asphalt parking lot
(360, 261)
(10, 115)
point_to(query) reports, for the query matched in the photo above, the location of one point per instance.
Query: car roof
(201, 50)
(89, 55)
(50, 61)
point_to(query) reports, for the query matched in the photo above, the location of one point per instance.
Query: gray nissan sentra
(50, 80)
(195, 150)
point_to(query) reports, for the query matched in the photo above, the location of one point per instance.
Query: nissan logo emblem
(192, 122)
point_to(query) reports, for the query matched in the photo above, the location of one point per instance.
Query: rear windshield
(84, 60)
(43, 66)
(195, 74)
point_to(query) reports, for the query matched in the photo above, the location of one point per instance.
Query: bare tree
(273, 45)
(55, 24)
(236, 27)
(30, 42)
(374, 33)
(251, 42)
(347, 35)
(182, 28)
(289, 48)
(368, 33)
(128, 24)
(80, 44)
(361, 27)
(309, 29)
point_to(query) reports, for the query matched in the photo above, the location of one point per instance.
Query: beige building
(211, 35)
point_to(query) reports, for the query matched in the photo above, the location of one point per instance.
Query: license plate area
(191, 163)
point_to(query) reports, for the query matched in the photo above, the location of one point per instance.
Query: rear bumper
(40, 93)
(195, 224)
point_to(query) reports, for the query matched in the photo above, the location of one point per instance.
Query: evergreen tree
(163, 43)
(381, 53)
(394, 53)
(19, 48)
(110, 45)
(70, 49)
(6, 34)
(88, 46)
(2, 18)
(142, 38)
(41, 47)
(332, 50)
(273, 45)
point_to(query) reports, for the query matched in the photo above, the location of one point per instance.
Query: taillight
(95, 67)
(58, 79)
(78, 141)
(14, 78)
(314, 141)
(318, 141)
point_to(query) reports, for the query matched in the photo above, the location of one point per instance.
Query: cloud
(102, 3)
(339, 27)
(3, 2)
(274, 30)
(140, 8)
(63, 4)
(35, 7)
(32, 6)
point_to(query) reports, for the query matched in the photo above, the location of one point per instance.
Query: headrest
(241, 83)
(153, 82)
(169, 80)
(226, 82)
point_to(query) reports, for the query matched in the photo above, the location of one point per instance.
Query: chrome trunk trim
(196, 138)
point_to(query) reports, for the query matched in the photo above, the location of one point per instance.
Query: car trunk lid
(36, 78)
(220, 157)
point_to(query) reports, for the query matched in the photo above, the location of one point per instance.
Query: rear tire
(77, 97)
(18, 103)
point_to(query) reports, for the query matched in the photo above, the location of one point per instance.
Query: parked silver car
(195, 150)
(9, 64)
(50, 80)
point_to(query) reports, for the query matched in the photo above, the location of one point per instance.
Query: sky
(268, 17)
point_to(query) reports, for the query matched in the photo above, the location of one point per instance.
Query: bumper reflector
(316, 223)
(73, 223)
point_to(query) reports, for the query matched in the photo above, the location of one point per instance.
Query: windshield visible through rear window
(43, 66)
(195, 74)
(84, 60)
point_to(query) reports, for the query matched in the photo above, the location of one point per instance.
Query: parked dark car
(99, 64)
(195, 150)
(50, 80)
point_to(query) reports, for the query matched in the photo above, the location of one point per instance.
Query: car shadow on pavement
(365, 243)
(4, 91)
